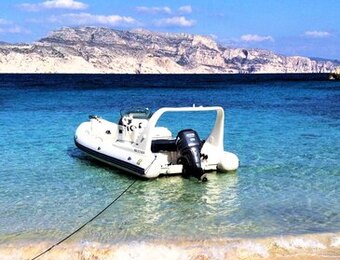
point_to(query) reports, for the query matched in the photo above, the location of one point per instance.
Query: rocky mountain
(102, 50)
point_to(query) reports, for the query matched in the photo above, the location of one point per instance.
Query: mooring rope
(81, 227)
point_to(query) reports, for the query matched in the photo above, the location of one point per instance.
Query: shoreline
(309, 246)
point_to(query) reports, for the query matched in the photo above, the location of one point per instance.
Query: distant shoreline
(258, 77)
(105, 50)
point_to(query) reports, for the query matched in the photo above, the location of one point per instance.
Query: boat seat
(163, 145)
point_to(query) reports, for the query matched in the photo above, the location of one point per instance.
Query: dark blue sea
(285, 130)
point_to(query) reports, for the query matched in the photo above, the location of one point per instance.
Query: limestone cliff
(102, 50)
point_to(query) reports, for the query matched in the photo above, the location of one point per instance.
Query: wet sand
(315, 246)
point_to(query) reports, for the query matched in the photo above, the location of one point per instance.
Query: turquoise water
(286, 134)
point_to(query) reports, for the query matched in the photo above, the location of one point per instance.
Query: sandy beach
(312, 246)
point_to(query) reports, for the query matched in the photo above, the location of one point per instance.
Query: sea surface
(286, 132)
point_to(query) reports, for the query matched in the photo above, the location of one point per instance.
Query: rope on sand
(81, 227)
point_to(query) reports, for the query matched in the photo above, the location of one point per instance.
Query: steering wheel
(126, 120)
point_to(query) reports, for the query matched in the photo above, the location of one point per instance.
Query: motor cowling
(189, 146)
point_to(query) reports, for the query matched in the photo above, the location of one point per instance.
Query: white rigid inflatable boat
(138, 146)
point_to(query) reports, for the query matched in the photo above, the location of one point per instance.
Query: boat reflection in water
(170, 208)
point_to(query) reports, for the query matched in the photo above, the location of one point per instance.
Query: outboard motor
(189, 145)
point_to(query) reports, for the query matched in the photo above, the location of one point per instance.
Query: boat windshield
(138, 113)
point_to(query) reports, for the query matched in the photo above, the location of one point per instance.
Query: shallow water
(286, 134)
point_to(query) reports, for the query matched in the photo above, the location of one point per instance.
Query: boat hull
(117, 163)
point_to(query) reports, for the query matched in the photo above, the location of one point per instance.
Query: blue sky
(291, 27)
